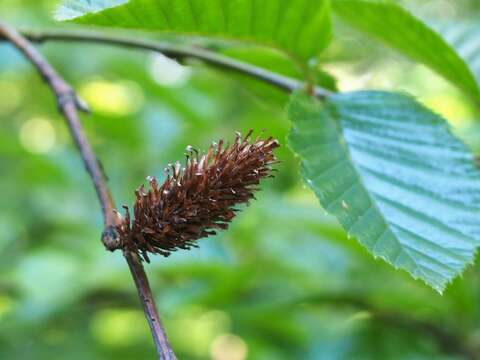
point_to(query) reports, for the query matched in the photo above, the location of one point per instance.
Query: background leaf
(394, 176)
(74, 8)
(465, 38)
(400, 30)
(300, 27)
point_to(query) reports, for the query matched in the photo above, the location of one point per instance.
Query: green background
(283, 283)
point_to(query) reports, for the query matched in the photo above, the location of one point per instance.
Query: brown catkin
(197, 200)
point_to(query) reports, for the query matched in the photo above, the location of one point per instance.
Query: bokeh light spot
(112, 98)
(168, 72)
(228, 347)
(37, 136)
(6, 304)
(119, 327)
(11, 96)
(204, 327)
(453, 108)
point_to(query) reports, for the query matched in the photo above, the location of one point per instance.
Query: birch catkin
(196, 201)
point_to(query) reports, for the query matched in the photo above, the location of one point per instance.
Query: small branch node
(69, 96)
(82, 105)
(111, 239)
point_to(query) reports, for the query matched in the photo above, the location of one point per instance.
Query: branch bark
(178, 52)
(69, 104)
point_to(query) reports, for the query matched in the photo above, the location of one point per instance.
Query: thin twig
(69, 104)
(178, 52)
(141, 281)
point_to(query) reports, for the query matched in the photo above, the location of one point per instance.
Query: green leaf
(299, 27)
(400, 30)
(465, 38)
(394, 176)
(71, 9)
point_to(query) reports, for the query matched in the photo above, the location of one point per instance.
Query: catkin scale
(196, 201)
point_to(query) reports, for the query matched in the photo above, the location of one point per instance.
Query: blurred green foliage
(283, 283)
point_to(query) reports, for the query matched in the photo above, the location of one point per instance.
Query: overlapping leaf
(394, 176)
(398, 29)
(299, 27)
(465, 38)
(70, 9)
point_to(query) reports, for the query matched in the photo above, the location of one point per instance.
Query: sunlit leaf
(465, 38)
(400, 30)
(394, 176)
(299, 27)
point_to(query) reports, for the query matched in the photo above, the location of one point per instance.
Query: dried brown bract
(197, 200)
